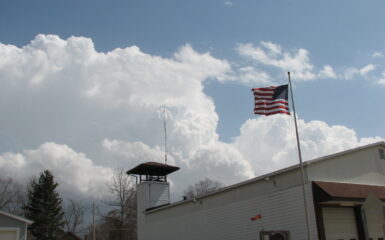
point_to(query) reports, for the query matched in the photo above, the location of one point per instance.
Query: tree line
(40, 202)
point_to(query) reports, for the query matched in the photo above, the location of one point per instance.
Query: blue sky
(250, 43)
(351, 27)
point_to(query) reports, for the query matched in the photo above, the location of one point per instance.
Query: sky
(84, 84)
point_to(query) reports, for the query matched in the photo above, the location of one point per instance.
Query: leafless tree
(124, 201)
(73, 216)
(202, 187)
(12, 196)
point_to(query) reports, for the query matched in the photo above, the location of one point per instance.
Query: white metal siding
(339, 223)
(282, 210)
(363, 167)
(150, 194)
(376, 229)
(373, 211)
(159, 194)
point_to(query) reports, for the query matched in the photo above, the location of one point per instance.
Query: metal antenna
(165, 134)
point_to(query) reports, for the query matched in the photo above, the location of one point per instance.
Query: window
(274, 235)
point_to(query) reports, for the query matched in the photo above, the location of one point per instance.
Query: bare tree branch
(124, 192)
(202, 187)
(12, 196)
(73, 216)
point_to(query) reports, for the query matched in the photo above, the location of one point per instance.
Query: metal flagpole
(300, 160)
(165, 134)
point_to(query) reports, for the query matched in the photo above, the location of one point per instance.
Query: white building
(13, 227)
(345, 195)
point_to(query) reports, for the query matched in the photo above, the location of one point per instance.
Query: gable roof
(18, 218)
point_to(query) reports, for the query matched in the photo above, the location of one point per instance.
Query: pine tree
(44, 207)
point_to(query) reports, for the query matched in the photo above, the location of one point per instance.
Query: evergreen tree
(44, 207)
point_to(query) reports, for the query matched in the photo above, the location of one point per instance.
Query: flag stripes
(271, 100)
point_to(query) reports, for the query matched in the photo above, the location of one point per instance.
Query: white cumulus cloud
(105, 108)
(249, 76)
(352, 72)
(64, 91)
(368, 68)
(272, 54)
(269, 143)
(327, 72)
(77, 175)
(381, 81)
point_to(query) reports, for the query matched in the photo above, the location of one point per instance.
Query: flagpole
(165, 134)
(300, 160)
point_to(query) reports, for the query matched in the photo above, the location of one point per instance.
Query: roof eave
(18, 218)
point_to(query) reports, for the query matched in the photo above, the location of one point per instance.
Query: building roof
(281, 171)
(18, 218)
(376, 144)
(350, 190)
(153, 168)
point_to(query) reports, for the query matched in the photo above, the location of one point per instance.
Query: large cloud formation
(297, 60)
(270, 143)
(78, 176)
(81, 113)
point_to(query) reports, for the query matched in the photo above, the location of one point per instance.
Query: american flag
(271, 100)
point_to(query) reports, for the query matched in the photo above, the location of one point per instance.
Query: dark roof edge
(360, 191)
(162, 168)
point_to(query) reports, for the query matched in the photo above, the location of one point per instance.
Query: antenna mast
(165, 134)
